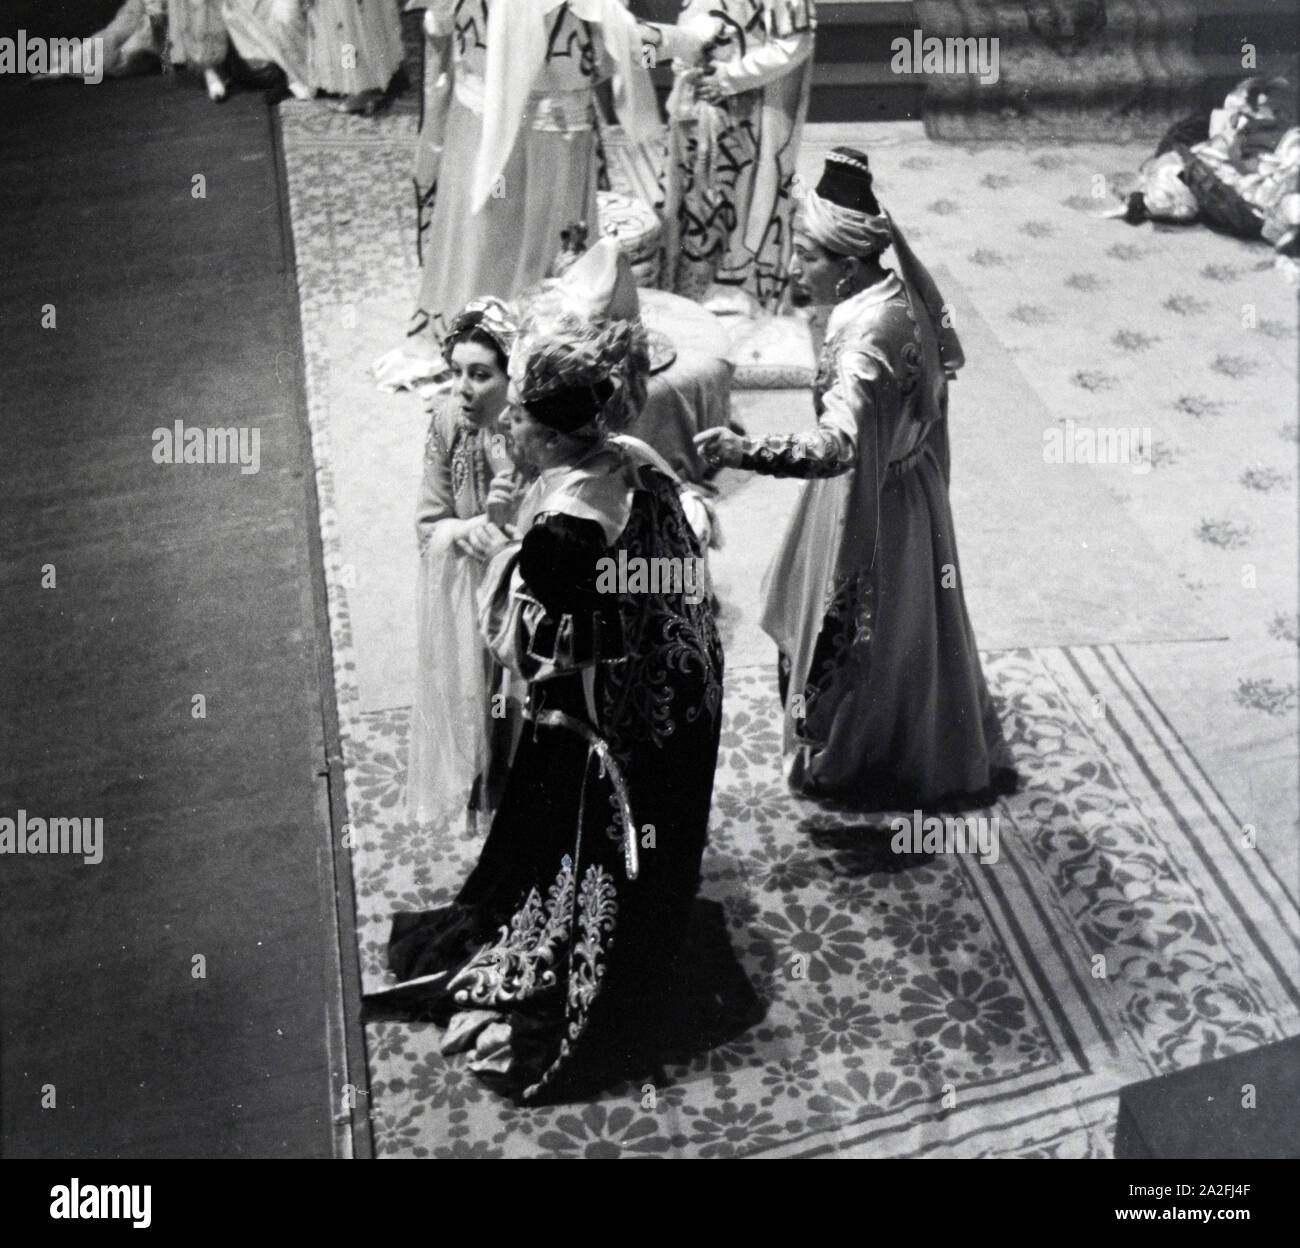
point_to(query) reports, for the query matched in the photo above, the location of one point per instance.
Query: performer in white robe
(507, 154)
(354, 48)
(735, 126)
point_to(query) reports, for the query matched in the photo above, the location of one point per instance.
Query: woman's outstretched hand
(720, 447)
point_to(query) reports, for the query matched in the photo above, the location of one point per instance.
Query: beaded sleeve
(821, 452)
(847, 405)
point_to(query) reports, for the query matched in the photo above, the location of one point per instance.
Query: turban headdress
(487, 315)
(842, 215)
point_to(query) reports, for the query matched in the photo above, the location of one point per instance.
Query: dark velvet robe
(552, 963)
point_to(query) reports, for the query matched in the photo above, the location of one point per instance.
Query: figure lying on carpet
(182, 33)
(1237, 170)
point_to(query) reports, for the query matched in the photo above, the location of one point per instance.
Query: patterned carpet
(951, 1008)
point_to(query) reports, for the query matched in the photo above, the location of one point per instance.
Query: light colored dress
(452, 728)
(270, 30)
(353, 46)
(728, 205)
(887, 703)
(196, 33)
(549, 181)
(544, 162)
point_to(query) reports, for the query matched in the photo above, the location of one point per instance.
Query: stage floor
(1139, 627)
(181, 997)
(1140, 632)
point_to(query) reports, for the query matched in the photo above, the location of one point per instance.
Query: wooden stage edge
(347, 1044)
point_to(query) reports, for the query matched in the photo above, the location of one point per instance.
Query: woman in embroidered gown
(735, 125)
(555, 961)
(510, 159)
(886, 702)
(453, 729)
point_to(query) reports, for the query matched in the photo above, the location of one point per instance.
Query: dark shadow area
(180, 992)
(861, 849)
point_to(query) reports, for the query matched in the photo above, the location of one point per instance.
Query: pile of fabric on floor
(1237, 170)
(132, 42)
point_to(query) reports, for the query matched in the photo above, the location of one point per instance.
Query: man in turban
(885, 702)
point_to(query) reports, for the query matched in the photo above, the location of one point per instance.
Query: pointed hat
(600, 285)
